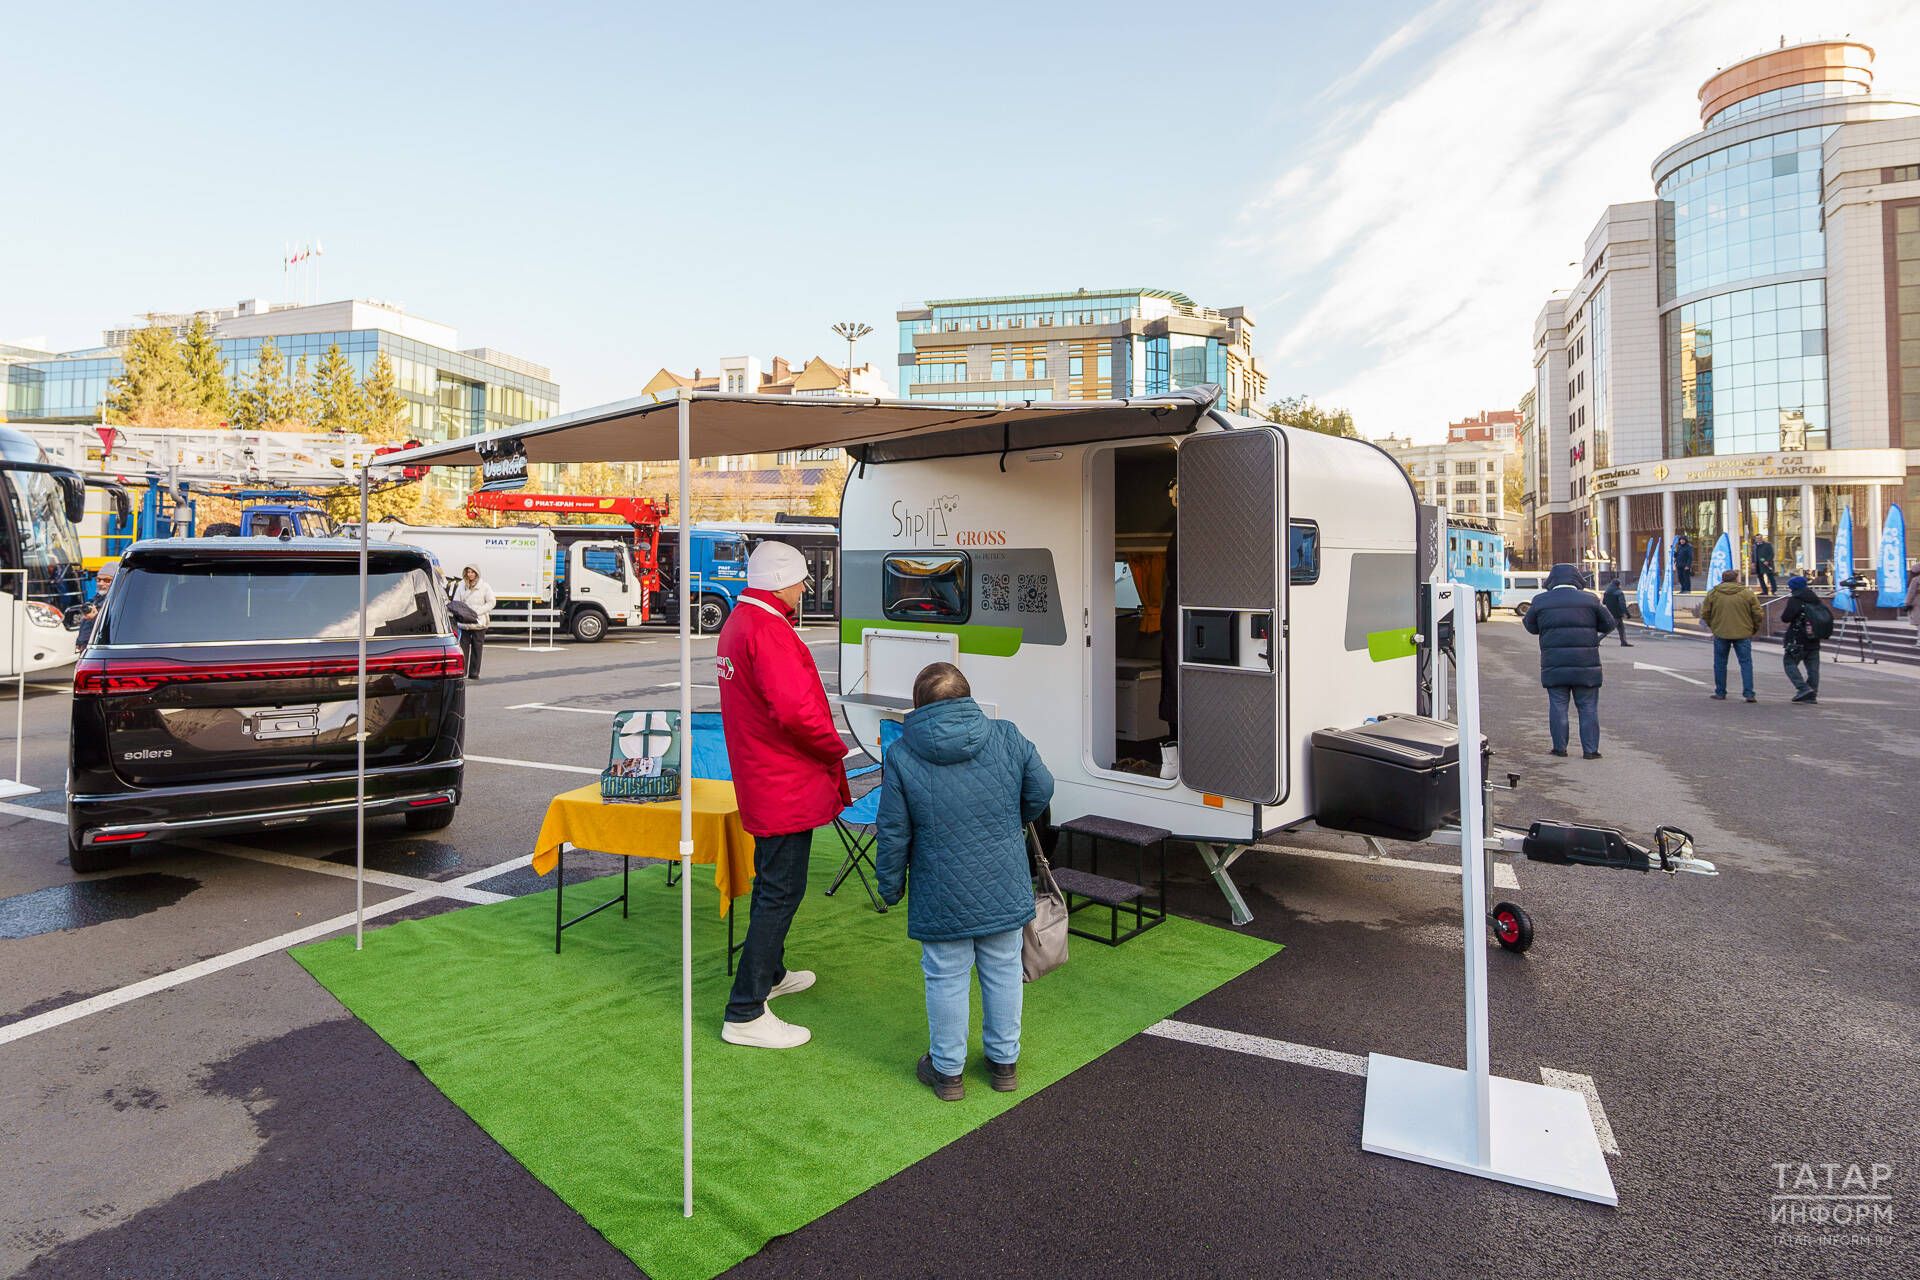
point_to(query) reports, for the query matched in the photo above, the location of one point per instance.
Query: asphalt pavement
(178, 1098)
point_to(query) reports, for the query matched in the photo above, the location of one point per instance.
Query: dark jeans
(779, 882)
(1743, 650)
(1588, 702)
(1686, 578)
(472, 641)
(1764, 575)
(1620, 629)
(1810, 659)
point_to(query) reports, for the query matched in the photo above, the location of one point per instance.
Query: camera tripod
(1851, 627)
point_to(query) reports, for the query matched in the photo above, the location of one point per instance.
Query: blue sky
(607, 189)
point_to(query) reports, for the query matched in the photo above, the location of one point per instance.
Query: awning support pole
(686, 816)
(360, 739)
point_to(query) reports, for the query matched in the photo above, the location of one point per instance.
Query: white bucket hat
(774, 565)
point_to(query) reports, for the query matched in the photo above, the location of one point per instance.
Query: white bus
(41, 576)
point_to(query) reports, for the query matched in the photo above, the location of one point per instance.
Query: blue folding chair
(856, 825)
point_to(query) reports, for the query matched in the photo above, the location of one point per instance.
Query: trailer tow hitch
(1571, 844)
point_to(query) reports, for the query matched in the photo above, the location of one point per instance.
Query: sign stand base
(1539, 1137)
(10, 788)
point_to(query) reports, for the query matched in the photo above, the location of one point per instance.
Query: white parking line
(1306, 1055)
(534, 764)
(549, 706)
(1503, 876)
(387, 879)
(25, 811)
(1586, 1088)
(199, 969)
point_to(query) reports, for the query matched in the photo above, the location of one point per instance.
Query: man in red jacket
(787, 768)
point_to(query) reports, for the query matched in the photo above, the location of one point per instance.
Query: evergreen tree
(300, 411)
(153, 390)
(337, 402)
(262, 404)
(206, 373)
(388, 418)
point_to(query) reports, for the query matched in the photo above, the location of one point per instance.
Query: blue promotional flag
(1893, 560)
(1644, 588)
(1721, 561)
(1843, 563)
(1663, 593)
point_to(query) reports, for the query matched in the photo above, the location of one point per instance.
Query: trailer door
(1231, 591)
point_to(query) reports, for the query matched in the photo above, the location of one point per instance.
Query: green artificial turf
(572, 1062)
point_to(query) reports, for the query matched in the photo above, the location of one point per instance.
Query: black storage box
(1397, 778)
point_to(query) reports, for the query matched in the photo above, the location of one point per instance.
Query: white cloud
(1416, 240)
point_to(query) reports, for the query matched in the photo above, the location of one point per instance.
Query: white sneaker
(765, 1032)
(796, 980)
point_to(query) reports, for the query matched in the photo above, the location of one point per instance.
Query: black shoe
(1626, 644)
(1003, 1076)
(945, 1088)
(1750, 697)
(1558, 751)
(1718, 697)
(1589, 755)
(1808, 696)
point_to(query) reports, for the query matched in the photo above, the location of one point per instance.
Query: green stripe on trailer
(1384, 646)
(992, 642)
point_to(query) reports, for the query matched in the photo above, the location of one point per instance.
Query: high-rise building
(1742, 353)
(1088, 344)
(451, 392)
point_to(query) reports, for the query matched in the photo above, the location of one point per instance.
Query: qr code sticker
(1033, 593)
(993, 592)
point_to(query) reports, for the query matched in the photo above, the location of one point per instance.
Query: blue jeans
(1588, 702)
(779, 882)
(1810, 658)
(997, 957)
(1743, 650)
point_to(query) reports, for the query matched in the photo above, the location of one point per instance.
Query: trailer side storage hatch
(1232, 533)
(1396, 778)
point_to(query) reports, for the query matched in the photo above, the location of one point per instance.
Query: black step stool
(1104, 891)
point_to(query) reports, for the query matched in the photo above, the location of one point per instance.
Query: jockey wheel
(1512, 926)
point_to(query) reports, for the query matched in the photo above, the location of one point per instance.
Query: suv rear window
(263, 600)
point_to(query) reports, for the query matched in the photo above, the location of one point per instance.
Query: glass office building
(1083, 345)
(1741, 354)
(450, 392)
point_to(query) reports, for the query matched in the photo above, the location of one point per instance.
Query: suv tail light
(110, 676)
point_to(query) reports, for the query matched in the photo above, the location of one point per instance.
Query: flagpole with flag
(1893, 559)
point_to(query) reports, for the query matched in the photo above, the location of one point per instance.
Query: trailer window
(932, 588)
(1303, 552)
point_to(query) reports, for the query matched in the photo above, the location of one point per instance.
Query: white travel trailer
(1039, 573)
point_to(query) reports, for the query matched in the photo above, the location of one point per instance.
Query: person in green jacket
(1732, 612)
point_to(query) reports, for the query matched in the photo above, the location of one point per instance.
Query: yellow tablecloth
(581, 818)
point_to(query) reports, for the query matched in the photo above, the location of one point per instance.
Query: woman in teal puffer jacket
(957, 793)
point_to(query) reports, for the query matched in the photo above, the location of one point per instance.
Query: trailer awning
(646, 430)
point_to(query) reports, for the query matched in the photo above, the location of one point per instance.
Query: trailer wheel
(1512, 927)
(223, 529)
(1482, 606)
(712, 614)
(588, 625)
(1520, 610)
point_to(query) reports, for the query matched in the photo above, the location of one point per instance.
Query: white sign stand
(1470, 1121)
(15, 786)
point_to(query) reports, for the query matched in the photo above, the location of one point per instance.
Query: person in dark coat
(1801, 644)
(1683, 562)
(1616, 602)
(956, 796)
(1763, 566)
(1570, 622)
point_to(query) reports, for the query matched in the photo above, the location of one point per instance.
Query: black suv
(218, 694)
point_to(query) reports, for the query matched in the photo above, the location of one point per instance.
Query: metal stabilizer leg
(1217, 864)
